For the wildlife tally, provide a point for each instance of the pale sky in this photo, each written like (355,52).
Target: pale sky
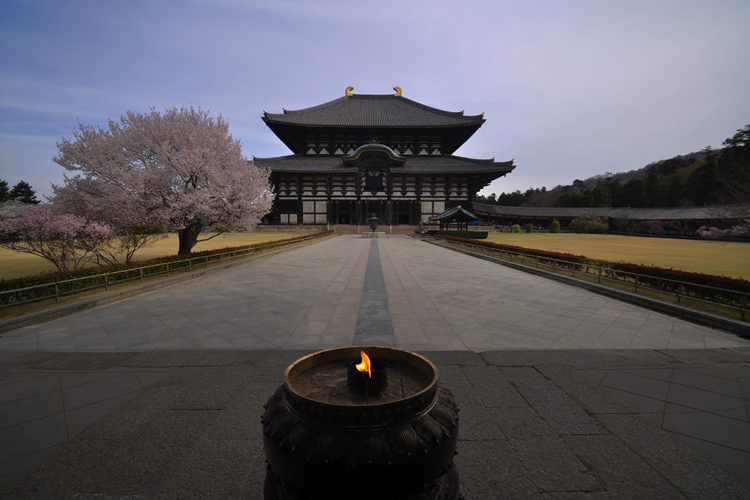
(570,89)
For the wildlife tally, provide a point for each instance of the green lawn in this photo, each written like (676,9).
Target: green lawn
(703,256)
(17,265)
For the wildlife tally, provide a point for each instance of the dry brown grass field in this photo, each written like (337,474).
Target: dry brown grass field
(17,265)
(704,256)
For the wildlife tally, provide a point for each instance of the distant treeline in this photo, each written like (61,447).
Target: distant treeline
(711,177)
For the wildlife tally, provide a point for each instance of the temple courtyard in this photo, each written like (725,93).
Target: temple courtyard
(563,393)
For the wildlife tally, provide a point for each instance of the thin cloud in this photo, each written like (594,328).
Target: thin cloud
(569,89)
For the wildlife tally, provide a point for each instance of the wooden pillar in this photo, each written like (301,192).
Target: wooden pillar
(299,180)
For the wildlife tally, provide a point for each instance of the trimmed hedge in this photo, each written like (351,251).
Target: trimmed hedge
(39,287)
(710,287)
(469,235)
(722,289)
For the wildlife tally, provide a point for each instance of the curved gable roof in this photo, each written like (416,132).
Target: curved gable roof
(641,214)
(373,110)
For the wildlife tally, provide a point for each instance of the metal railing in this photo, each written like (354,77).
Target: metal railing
(70,286)
(732,299)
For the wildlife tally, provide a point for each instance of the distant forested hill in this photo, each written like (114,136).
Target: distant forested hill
(708,177)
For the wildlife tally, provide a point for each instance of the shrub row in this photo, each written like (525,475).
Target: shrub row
(42,286)
(720,289)
(702,286)
(543,256)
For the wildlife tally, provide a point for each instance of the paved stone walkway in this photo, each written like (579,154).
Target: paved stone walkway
(572,395)
(534,424)
(312,298)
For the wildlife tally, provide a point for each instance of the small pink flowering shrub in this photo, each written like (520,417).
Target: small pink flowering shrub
(68,241)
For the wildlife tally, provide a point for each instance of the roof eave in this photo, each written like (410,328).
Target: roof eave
(294,124)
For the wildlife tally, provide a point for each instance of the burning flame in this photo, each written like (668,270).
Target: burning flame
(364,366)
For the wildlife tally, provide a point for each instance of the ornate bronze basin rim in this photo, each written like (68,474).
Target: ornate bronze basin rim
(362,415)
(376,352)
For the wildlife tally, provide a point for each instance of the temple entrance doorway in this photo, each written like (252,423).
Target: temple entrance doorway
(375,208)
(403,212)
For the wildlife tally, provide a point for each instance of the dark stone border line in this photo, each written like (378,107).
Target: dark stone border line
(374,324)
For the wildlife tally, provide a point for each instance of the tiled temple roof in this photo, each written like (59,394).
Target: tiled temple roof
(367,110)
(668,213)
(413,164)
(455,213)
(539,211)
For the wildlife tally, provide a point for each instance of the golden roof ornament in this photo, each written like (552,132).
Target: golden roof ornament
(348,91)
(398,91)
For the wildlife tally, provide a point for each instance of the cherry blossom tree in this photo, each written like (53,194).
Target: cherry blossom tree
(180,168)
(713,233)
(589,223)
(68,241)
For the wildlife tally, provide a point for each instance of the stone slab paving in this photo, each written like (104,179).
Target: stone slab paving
(535,424)
(311,298)
(297,299)
(158,396)
(489,306)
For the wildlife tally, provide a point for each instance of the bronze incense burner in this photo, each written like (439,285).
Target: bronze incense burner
(326,438)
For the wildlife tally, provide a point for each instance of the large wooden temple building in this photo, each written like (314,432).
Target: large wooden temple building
(386,156)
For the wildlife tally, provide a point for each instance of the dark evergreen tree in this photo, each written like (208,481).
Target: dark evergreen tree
(614,188)
(674,195)
(653,180)
(22,192)
(669,167)
(738,145)
(634,194)
(3,190)
(600,197)
(703,186)
(733,173)
(514,199)
(490,200)
(574,199)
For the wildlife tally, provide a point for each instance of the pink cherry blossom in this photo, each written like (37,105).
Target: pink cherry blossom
(68,241)
(713,233)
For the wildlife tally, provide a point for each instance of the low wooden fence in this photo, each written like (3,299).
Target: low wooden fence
(64,287)
(732,300)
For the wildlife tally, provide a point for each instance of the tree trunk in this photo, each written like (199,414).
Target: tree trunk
(189,237)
